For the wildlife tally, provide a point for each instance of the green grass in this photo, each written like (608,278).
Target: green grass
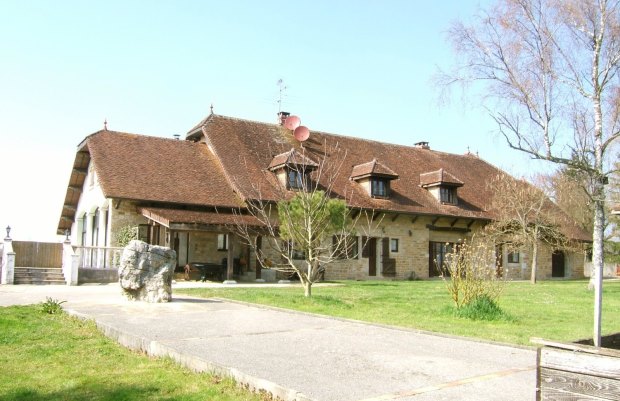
(57,357)
(554,310)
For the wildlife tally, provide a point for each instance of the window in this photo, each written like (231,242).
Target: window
(345,247)
(513,257)
(437,257)
(379,187)
(222,242)
(394,245)
(294,253)
(295,179)
(447,195)
(144,232)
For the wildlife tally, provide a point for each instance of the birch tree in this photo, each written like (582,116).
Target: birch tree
(548,75)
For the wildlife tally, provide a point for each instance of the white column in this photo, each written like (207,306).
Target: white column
(8,262)
(70,263)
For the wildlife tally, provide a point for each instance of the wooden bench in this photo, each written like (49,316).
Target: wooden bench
(207,269)
(576,372)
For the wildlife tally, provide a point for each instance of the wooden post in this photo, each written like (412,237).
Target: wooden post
(230,261)
(259,243)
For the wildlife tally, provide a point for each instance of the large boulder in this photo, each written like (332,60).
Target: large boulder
(146,271)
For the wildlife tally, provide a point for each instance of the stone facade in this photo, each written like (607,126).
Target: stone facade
(412,234)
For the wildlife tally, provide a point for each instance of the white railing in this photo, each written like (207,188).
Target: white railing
(99,257)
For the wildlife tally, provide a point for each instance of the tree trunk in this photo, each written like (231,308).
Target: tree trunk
(308,289)
(534,262)
(596,275)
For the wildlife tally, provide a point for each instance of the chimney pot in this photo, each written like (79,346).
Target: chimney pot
(282,117)
(422,145)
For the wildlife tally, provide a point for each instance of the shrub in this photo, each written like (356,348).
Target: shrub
(125,234)
(52,306)
(482,308)
(470,272)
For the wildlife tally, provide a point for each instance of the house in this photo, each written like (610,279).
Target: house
(185,194)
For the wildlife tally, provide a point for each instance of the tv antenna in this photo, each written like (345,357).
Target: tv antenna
(281,88)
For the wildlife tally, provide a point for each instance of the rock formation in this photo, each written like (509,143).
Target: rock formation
(146,271)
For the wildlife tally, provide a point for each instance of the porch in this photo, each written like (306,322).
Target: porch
(204,241)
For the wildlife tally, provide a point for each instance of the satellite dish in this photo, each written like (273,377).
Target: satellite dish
(292,122)
(301,133)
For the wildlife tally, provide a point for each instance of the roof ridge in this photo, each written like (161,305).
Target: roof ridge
(410,147)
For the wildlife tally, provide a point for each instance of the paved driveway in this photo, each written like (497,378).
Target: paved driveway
(301,356)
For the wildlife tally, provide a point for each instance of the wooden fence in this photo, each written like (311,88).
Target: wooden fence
(569,372)
(37,254)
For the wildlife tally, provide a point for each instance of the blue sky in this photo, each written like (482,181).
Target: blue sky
(359,68)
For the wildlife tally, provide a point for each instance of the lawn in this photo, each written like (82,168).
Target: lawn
(57,357)
(553,310)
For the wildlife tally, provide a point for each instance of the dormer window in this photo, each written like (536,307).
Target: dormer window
(380,187)
(447,195)
(292,169)
(442,185)
(374,177)
(295,179)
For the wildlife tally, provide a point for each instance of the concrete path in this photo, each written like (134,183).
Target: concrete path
(299,356)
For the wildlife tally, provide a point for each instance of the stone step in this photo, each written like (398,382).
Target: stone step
(38,275)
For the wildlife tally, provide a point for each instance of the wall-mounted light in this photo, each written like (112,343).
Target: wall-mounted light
(8,232)
(66,234)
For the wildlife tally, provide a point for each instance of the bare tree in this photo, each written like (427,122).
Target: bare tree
(307,227)
(548,71)
(524,219)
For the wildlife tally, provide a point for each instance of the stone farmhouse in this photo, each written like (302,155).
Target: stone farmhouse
(184,194)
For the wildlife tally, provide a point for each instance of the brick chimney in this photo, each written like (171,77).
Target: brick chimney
(282,117)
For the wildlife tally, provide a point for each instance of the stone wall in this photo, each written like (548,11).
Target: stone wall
(123,213)
(412,258)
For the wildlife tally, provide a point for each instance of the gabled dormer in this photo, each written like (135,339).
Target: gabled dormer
(292,169)
(442,185)
(374,177)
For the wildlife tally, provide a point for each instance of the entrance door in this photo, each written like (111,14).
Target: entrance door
(372,256)
(180,246)
(557,264)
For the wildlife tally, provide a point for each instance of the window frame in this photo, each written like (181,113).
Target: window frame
(295,179)
(222,242)
(513,257)
(379,187)
(351,247)
(448,195)
(394,245)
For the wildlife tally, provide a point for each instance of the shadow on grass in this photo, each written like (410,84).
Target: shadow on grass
(87,392)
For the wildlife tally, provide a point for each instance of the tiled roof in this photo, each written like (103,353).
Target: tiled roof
(147,168)
(291,158)
(227,160)
(255,144)
(439,177)
(372,168)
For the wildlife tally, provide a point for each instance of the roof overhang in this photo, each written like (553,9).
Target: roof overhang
(193,220)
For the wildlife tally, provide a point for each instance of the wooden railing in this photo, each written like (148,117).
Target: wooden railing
(99,257)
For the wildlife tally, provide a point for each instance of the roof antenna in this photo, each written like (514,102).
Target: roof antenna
(105,124)
(281,88)
(211,108)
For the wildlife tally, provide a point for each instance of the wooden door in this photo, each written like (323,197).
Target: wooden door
(371,246)
(557,264)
